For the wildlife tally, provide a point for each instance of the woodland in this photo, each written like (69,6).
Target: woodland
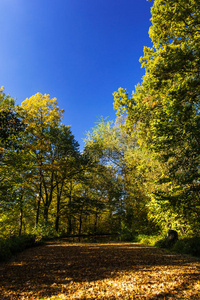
(138,175)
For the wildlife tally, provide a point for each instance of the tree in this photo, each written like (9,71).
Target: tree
(41,116)
(10,122)
(164,109)
(67,163)
(115,146)
(11,160)
(176,68)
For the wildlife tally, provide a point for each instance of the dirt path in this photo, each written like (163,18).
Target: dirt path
(62,270)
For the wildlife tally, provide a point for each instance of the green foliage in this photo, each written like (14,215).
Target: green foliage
(148,239)
(136,175)
(163,113)
(20,243)
(127,234)
(15,244)
(44,231)
(163,243)
(169,97)
(188,246)
(5,252)
(11,124)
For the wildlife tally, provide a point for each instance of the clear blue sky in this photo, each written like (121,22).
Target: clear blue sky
(79,51)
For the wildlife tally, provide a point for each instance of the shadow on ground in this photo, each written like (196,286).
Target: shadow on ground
(47,269)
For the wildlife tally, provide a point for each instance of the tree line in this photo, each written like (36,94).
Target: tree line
(138,173)
(47,184)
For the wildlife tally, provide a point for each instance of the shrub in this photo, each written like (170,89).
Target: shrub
(44,232)
(5,252)
(185,246)
(148,239)
(15,244)
(127,235)
(188,246)
(20,243)
(163,243)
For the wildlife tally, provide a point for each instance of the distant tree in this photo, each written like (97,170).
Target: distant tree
(10,122)
(131,181)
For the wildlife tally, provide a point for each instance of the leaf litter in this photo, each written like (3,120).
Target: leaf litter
(62,270)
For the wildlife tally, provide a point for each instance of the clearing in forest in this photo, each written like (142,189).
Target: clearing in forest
(61,270)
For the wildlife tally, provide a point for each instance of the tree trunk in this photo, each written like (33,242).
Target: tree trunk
(40,194)
(95,222)
(80,225)
(69,228)
(38,208)
(57,214)
(59,194)
(46,213)
(48,196)
(20,221)
(37,213)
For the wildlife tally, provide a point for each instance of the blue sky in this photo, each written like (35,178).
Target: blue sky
(79,51)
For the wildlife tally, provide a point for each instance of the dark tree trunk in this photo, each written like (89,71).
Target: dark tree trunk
(59,195)
(57,213)
(40,195)
(37,213)
(95,222)
(80,225)
(20,221)
(48,196)
(46,213)
(172,236)
(69,228)
(38,207)
(57,222)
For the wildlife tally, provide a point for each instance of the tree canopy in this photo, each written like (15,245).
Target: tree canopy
(138,173)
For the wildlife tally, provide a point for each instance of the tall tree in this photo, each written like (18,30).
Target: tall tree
(115,146)
(11,162)
(65,150)
(10,122)
(41,115)
(165,107)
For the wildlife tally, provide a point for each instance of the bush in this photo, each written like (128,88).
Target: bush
(127,235)
(15,244)
(163,243)
(20,243)
(44,232)
(144,239)
(5,252)
(148,239)
(188,246)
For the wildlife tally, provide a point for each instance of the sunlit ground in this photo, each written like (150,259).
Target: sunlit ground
(99,271)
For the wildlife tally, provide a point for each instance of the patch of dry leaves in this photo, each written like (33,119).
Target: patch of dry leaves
(62,270)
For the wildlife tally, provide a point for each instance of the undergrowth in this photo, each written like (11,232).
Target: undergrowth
(185,245)
(14,244)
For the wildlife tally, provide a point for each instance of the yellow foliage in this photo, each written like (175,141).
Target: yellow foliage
(41,110)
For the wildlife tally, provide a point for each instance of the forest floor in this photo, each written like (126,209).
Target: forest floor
(62,270)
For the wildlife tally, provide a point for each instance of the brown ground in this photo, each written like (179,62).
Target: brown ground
(61,270)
